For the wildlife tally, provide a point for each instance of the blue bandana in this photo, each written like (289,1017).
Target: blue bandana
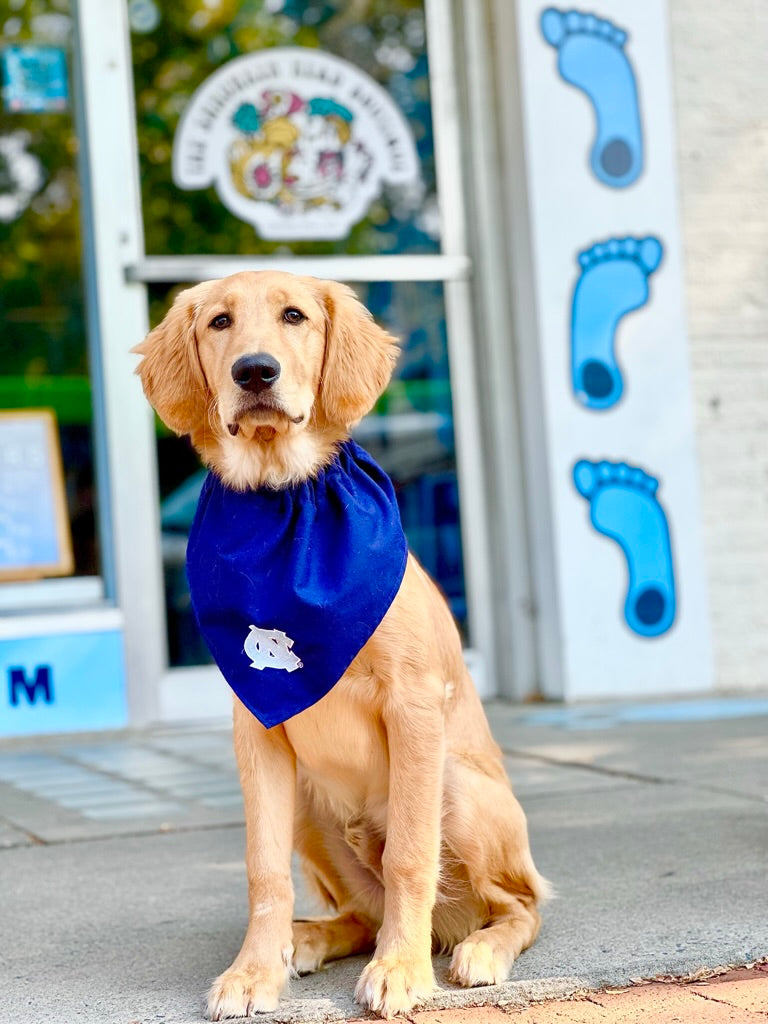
(288,585)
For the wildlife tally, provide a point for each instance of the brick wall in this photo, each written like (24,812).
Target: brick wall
(721,83)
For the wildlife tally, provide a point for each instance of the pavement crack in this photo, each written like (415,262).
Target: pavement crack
(597,769)
(139,833)
(623,773)
(33,837)
(714,999)
(596,1002)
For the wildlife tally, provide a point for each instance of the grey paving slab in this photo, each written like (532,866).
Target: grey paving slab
(37,768)
(52,821)
(70,785)
(190,775)
(212,749)
(143,811)
(729,754)
(205,786)
(118,796)
(225,800)
(114,785)
(130,761)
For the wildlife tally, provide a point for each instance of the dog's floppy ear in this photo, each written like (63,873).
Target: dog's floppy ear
(359,357)
(170,371)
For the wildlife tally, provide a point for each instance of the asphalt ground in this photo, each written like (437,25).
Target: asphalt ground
(122,885)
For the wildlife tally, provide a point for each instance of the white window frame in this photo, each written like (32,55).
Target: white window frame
(119,270)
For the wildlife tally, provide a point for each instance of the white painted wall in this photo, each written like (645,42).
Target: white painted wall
(721,98)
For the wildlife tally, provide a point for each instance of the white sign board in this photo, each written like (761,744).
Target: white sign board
(34,524)
(295,141)
(618,455)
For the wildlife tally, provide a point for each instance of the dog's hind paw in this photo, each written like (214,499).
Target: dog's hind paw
(476,961)
(244,993)
(310,946)
(390,985)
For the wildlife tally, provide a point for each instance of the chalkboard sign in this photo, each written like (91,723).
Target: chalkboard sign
(34,526)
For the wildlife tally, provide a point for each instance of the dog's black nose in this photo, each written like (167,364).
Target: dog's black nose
(255,373)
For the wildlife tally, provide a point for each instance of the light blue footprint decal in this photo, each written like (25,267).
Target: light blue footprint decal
(623,506)
(613,281)
(591,56)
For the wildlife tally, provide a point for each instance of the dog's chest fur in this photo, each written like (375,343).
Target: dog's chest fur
(339,747)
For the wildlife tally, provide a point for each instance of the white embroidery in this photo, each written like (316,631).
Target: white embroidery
(270,648)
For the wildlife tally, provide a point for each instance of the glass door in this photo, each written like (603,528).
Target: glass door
(259,126)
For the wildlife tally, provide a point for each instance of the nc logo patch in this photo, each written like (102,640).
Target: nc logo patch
(271,648)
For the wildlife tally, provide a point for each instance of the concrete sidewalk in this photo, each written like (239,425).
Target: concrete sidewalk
(122,887)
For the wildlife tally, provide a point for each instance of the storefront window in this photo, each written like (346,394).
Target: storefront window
(43,349)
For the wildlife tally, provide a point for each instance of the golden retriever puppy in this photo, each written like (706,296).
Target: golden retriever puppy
(390,786)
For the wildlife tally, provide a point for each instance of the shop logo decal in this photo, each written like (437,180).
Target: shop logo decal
(297,142)
(40,684)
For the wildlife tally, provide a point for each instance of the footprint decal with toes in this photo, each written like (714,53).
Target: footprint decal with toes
(623,506)
(613,282)
(591,56)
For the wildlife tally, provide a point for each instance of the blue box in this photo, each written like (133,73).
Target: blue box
(65,682)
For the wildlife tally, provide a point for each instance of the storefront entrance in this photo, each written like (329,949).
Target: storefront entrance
(377,85)
(428,153)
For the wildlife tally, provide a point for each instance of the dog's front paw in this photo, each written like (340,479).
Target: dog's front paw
(391,985)
(240,992)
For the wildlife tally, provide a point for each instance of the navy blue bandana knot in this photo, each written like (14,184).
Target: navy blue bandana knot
(288,585)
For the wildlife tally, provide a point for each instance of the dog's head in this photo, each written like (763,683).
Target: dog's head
(259,364)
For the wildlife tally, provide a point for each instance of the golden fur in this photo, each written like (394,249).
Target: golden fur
(391,787)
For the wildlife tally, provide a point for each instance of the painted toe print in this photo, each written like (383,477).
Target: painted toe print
(613,281)
(623,506)
(591,56)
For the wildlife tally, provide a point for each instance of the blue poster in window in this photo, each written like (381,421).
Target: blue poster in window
(34,79)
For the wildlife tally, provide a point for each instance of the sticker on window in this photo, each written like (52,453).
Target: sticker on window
(296,142)
(34,79)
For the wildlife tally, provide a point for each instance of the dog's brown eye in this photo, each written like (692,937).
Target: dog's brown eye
(220,322)
(293,315)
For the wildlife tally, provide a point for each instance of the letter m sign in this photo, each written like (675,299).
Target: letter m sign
(40,686)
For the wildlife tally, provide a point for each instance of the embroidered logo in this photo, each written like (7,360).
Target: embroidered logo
(271,648)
